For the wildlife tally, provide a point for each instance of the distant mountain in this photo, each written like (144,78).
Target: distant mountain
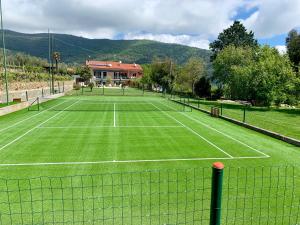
(75,49)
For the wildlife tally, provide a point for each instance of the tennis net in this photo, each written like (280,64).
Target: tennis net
(104,106)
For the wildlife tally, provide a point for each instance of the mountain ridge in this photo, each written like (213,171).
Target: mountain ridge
(75,49)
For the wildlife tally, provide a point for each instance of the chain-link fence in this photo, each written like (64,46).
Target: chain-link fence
(263,195)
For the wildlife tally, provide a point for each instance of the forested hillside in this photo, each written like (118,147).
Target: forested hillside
(78,49)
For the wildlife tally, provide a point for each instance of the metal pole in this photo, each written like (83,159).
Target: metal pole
(52,64)
(4,55)
(49,61)
(216,193)
(221,109)
(198,103)
(244,117)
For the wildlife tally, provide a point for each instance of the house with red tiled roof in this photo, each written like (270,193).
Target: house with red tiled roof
(116,72)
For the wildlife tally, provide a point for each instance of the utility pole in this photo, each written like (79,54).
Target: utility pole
(4,55)
(49,61)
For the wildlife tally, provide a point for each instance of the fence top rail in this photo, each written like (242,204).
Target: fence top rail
(164,171)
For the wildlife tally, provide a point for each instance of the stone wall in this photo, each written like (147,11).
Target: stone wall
(32,90)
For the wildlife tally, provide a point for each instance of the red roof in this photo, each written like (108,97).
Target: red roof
(109,65)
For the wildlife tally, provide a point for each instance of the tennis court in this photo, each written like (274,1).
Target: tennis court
(86,130)
(138,160)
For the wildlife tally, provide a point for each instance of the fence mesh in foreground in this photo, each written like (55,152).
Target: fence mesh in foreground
(250,196)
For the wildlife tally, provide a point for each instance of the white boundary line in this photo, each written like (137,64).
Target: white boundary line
(125,161)
(82,127)
(30,117)
(220,132)
(226,135)
(194,132)
(27,132)
(114,114)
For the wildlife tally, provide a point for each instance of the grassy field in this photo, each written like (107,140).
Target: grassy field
(4,104)
(283,121)
(138,160)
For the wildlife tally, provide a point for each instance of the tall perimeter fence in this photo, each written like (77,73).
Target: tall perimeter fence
(252,196)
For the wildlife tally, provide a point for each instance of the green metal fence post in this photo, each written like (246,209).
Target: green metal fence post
(221,109)
(198,103)
(244,117)
(42,93)
(81,89)
(26,96)
(216,193)
(63,87)
(38,103)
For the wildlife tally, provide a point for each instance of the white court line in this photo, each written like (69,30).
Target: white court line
(114,114)
(21,136)
(30,117)
(226,135)
(126,161)
(79,127)
(194,132)
(220,132)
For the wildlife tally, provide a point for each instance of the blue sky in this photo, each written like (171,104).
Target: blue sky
(189,22)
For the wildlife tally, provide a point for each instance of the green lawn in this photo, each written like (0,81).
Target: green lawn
(283,121)
(4,104)
(139,160)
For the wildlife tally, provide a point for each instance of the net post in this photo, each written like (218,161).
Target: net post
(216,193)
(198,103)
(63,87)
(38,103)
(221,109)
(244,116)
(82,90)
(123,91)
(42,92)
(143,89)
(26,96)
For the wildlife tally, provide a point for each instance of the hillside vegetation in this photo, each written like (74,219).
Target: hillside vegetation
(78,49)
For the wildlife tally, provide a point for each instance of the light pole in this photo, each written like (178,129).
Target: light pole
(4,56)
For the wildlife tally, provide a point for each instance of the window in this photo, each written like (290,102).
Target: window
(104,75)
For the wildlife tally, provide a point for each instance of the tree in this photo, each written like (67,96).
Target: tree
(203,87)
(194,70)
(260,75)
(85,73)
(162,73)
(293,48)
(56,57)
(235,35)
(230,71)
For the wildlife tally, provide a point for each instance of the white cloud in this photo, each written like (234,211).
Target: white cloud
(281,49)
(191,22)
(274,17)
(193,41)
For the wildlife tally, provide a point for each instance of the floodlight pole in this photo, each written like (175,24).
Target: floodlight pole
(4,55)
(50,69)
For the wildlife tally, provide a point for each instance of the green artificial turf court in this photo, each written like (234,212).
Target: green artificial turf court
(88,130)
(143,160)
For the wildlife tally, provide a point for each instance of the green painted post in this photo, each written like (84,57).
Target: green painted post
(63,87)
(38,103)
(244,117)
(221,109)
(216,193)
(26,96)
(42,93)
(123,91)
(198,103)
(82,90)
